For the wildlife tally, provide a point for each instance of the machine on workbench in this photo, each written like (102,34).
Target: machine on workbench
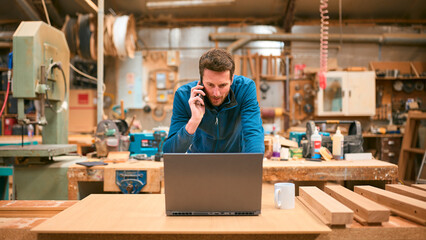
(41,73)
(150,144)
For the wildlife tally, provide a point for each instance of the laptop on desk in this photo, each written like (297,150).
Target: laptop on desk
(213,184)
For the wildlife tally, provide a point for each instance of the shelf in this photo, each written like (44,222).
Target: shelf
(3,69)
(400,78)
(415,150)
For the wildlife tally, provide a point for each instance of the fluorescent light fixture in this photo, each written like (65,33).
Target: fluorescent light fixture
(187,3)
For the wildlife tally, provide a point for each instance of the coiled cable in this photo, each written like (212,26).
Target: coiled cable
(323,43)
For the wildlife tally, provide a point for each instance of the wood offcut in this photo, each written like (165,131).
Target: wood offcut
(407,191)
(326,208)
(365,210)
(401,205)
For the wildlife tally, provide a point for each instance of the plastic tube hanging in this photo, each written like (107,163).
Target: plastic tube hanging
(323,43)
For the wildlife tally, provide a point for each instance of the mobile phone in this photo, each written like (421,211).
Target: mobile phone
(200,95)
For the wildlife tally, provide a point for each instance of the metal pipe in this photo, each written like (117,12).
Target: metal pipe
(100,105)
(385,39)
(287,83)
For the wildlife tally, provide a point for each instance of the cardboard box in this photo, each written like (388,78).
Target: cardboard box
(82,114)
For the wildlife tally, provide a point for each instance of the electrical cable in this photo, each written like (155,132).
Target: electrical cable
(6,97)
(46,13)
(82,73)
(9,80)
(64,104)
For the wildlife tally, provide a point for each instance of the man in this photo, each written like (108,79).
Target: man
(221,116)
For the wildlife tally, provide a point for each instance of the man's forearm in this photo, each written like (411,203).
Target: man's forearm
(178,142)
(192,126)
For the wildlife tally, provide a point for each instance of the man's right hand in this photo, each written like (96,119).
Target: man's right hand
(196,103)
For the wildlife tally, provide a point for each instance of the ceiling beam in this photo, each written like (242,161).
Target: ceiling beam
(289,16)
(29,10)
(187,3)
(85,5)
(362,21)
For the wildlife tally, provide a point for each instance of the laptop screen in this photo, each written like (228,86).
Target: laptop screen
(213,183)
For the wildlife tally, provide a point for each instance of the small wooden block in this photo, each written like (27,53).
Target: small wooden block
(366,211)
(116,157)
(328,209)
(407,191)
(401,205)
(419,186)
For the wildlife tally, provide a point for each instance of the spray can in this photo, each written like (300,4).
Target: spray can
(315,144)
(338,145)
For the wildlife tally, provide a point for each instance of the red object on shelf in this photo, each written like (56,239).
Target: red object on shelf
(8,125)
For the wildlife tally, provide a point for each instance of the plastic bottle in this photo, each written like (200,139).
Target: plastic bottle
(338,145)
(315,144)
(30,133)
(276,147)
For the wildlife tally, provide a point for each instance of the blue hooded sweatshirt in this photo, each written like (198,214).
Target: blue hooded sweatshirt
(235,126)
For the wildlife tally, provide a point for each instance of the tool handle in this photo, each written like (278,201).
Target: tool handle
(122,109)
(130,125)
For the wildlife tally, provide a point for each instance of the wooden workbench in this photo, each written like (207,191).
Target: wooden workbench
(142,217)
(18,227)
(18,217)
(273,171)
(106,174)
(300,170)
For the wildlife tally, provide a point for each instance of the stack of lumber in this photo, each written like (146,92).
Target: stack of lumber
(368,205)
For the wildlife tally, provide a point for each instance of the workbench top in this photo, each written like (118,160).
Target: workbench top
(145,214)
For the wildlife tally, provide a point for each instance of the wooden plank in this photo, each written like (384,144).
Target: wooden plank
(154,175)
(145,214)
(407,191)
(33,208)
(326,208)
(365,210)
(404,206)
(419,186)
(237,60)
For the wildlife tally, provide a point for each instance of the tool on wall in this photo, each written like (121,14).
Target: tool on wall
(323,43)
(264,87)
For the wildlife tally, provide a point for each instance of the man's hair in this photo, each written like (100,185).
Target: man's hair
(217,60)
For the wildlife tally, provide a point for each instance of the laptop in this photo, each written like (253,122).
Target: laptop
(207,184)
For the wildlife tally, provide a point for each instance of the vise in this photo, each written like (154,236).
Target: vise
(130,181)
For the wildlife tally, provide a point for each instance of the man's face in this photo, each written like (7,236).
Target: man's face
(216,86)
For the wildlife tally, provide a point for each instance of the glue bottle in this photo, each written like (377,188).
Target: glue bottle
(276,147)
(315,144)
(338,145)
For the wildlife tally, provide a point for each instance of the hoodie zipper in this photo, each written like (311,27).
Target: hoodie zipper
(217,131)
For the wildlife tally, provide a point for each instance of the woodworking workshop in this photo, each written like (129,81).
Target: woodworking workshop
(212,119)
